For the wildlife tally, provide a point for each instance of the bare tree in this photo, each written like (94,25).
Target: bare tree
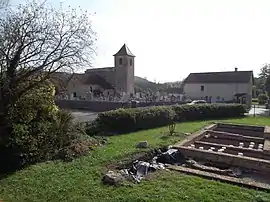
(37,40)
(4,3)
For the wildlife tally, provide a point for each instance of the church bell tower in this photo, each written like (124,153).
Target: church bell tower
(124,70)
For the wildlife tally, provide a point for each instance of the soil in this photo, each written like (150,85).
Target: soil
(140,156)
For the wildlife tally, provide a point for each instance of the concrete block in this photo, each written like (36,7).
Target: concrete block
(267,132)
(266,147)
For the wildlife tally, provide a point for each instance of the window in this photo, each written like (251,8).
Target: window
(130,62)
(120,61)
(202,88)
(74,94)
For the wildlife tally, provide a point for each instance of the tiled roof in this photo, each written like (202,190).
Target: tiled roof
(98,80)
(124,51)
(220,77)
(62,79)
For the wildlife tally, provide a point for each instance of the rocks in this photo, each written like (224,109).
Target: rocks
(236,172)
(135,173)
(113,178)
(142,144)
(104,141)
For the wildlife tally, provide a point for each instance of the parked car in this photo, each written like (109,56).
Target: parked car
(197,102)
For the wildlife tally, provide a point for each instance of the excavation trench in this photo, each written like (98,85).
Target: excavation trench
(238,154)
(136,169)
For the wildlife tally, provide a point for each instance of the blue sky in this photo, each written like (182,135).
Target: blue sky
(172,38)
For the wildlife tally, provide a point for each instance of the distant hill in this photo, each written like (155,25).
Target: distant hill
(142,85)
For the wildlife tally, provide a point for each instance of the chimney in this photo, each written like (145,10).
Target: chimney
(235,69)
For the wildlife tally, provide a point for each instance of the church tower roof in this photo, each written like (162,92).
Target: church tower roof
(124,51)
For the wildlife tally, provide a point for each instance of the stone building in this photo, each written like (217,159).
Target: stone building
(106,81)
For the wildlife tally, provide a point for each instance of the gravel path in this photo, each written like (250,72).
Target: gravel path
(259,111)
(84,116)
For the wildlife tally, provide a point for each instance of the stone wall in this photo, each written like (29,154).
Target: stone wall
(101,106)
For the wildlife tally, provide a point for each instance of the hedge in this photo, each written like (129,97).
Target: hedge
(134,119)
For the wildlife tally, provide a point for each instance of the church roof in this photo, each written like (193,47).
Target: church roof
(98,80)
(61,79)
(124,51)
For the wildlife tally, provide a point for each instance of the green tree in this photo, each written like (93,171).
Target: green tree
(263,98)
(260,82)
(267,85)
(265,72)
(259,87)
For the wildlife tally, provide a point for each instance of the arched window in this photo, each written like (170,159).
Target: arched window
(120,61)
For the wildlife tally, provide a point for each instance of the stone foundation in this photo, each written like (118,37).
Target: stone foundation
(230,144)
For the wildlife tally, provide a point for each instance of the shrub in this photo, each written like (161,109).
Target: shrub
(76,149)
(263,99)
(200,112)
(133,119)
(40,132)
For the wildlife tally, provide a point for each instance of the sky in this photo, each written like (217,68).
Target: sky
(172,38)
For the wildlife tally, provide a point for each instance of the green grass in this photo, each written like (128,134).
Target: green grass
(80,180)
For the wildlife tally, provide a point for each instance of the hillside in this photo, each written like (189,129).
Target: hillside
(142,84)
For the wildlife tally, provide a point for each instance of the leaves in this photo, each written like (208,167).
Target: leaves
(262,99)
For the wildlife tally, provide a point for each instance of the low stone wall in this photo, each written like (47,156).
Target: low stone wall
(101,106)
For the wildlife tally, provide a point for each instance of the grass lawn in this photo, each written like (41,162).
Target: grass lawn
(80,180)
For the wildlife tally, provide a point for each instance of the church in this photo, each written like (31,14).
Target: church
(107,81)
